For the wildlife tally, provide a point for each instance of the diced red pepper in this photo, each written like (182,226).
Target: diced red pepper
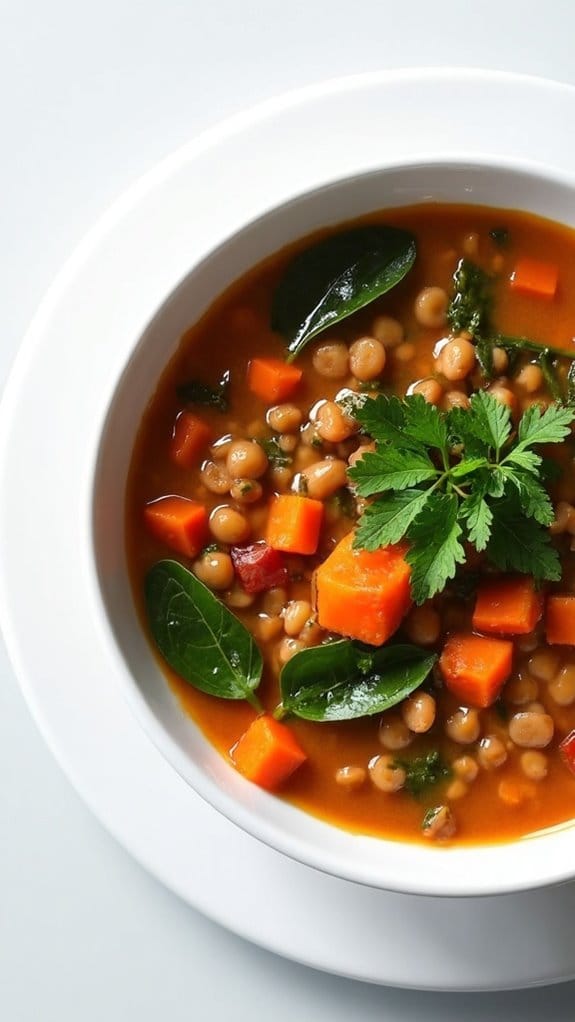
(258,567)
(567,750)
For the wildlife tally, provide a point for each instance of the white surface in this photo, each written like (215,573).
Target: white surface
(89,98)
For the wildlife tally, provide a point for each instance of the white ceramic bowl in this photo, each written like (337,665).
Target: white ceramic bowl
(110,324)
(407,867)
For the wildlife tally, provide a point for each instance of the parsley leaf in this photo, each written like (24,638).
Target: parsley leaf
(390,469)
(439,479)
(519,543)
(387,520)
(435,549)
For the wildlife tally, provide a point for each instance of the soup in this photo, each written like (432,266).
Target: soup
(351,536)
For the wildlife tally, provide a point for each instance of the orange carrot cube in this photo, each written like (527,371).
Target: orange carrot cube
(510,605)
(560,620)
(273,380)
(190,438)
(363,594)
(267,753)
(180,523)
(294,524)
(534,277)
(475,668)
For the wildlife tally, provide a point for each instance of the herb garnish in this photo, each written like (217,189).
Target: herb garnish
(423,772)
(197,393)
(276,457)
(490,494)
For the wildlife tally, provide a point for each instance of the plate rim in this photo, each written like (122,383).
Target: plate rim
(128,199)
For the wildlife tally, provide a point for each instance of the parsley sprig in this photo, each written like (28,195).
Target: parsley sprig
(441,479)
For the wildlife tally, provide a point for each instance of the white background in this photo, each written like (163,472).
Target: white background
(90,97)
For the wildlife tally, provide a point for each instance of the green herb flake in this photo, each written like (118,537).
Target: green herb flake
(423,772)
(470,305)
(276,457)
(195,392)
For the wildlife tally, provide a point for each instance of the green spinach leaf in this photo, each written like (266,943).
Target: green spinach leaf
(335,277)
(198,636)
(345,679)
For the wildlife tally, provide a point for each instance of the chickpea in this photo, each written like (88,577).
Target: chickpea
(438,823)
(296,614)
(530,379)
(333,424)
(287,442)
(521,690)
(357,455)
(215,478)
(331,359)
(500,360)
(219,449)
(284,418)
(367,358)
(465,768)
(404,352)
(350,777)
(528,643)
(457,789)
(324,477)
(215,570)
(267,628)
(238,598)
(288,647)
(531,730)
(385,774)
(562,688)
(471,245)
(544,664)
(228,525)
(387,330)
(423,625)
(274,601)
(563,515)
(455,399)
(418,712)
(281,478)
(394,734)
(463,726)
(534,764)
(431,307)
(491,753)
(503,395)
(430,389)
(246,491)
(457,359)
(310,437)
(246,459)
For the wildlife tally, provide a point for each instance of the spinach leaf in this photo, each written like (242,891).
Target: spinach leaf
(197,393)
(470,305)
(198,636)
(345,679)
(335,277)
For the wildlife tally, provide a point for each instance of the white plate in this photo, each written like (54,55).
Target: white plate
(109,290)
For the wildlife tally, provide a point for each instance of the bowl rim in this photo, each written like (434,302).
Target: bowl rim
(255,823)
(130,198)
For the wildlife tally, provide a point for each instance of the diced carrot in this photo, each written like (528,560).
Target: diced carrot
(510,606)
(534,277)
(475,668)
(294,524)
(190,438)
(363,594)
(271,379)
(267,753)
(560,620)
(180,523)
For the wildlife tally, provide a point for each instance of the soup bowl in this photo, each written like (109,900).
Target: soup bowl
(407,867)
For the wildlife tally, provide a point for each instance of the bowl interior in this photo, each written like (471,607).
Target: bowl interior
(409,868)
